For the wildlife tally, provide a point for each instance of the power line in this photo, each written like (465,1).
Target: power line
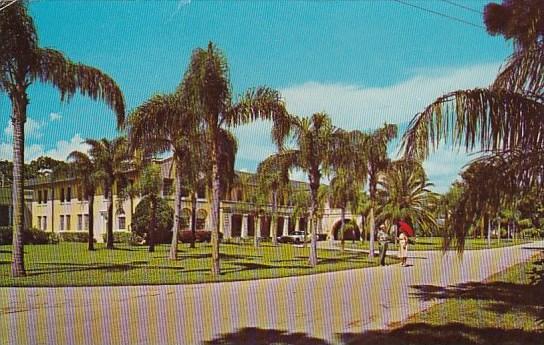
(6,3)
(462,6)
(440,14)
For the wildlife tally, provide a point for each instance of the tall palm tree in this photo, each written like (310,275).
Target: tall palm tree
(165,123)
(111,158)
(22,62)
(273,177)
(504,119)
(86,172)
(343,190)
(316,141)
(377,160)
(206,84)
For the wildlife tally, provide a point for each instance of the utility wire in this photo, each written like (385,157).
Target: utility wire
(462,6)
(440,14)
(6,3)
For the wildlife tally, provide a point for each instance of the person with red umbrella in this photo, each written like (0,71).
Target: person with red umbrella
(405,231)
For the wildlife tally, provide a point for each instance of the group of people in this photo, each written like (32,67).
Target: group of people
(383,240)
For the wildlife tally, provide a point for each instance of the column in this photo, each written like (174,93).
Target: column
(297,224)
(227,231)
(285,231)
(244,226)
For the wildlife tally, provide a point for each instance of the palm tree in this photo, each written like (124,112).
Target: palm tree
(377,160)
(343,190)
(149,185)
(408,196)
(273,176)
(111,159)
(22,62)
(86,172)
(206,84)
(361,205)
(504,119)
(317,140)
(165,123)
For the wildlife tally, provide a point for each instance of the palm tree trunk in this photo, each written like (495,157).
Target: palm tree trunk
(257,231)
(90,199)
(372,230)
(153,225)
(274,221)
(109,192)
(313,241)
(489,232)
(18,121)
(177,214)
(343,223)
(215,208)
(193,219)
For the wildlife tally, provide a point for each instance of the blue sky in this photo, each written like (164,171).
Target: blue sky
(363,62)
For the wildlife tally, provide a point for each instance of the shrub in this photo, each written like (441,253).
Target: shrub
(30,236)
(6,234)
(200,236)
(73,236)
(530,233)
(165,219)
(120,237)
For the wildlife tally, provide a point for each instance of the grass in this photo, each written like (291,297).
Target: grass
(506,309)
(435,243)
(70,264)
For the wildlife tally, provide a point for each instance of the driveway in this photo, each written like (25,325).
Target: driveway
(316,307)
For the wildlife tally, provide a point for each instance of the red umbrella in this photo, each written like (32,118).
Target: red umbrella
(407,229)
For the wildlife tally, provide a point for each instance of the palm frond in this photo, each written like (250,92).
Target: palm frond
(524,72)
(492,119)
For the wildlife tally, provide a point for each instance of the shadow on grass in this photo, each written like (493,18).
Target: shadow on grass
(448,334)
(259,336)
(64,267)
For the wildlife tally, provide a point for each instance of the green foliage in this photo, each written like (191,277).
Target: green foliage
(125,237)
(142,219)
(6,234)
(74,236)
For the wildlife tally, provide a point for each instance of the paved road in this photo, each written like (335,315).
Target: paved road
(320,305)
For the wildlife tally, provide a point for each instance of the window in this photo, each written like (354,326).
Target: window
(68,226)
(62,223)
(201,191)
(122,222)
(62,195)
(86,218)
(121,186)
(39,197)
(80,222)
(40,223)
(184,192)
(167,185)
(69,194)
(44,221)
(45,196)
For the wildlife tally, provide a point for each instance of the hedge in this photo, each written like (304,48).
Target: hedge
(119,237)
(74,236)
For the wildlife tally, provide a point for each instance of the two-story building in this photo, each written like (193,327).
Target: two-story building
(58,205)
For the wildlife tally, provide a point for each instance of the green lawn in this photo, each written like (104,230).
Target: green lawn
(70,264)
(435,243)
(507,309)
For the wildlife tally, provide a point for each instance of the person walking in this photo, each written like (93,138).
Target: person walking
(383,240)
(403,248)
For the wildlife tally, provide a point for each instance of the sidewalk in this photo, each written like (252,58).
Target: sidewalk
(320,306)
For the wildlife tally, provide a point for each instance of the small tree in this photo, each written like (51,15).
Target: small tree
(164,220)
(150,188)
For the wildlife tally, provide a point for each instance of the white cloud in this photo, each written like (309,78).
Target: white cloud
(55,116)
(32,129)
(61,150)
(359,107)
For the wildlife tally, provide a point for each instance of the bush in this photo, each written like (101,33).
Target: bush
(165,220)
(200,236)
(6,234)
(73,236)
(530,233)
(30,236)
(119,237)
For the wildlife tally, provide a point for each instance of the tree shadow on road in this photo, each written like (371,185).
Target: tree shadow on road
(259,336)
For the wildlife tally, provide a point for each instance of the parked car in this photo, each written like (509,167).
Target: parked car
(295,237)
(200,236)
